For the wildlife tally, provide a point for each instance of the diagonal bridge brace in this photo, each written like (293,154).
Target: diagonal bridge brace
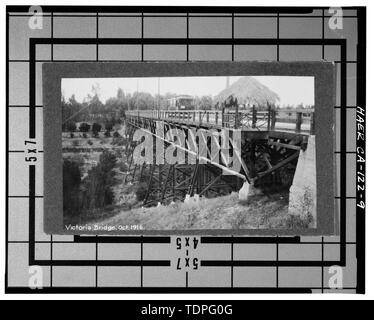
(202,158)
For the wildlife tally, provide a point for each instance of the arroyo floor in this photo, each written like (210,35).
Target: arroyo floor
(216,213)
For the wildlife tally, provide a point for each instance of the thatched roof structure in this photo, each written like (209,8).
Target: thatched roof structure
(248,91)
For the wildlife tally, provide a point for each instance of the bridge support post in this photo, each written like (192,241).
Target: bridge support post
(149,186)
(133,173)
(248,189)
(312,124)
(129,168)
(299,120)
(273,119)
(193,180)
(254,117)
(303,192)
(237,120)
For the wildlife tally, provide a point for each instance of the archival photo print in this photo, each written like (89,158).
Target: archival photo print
(189,153)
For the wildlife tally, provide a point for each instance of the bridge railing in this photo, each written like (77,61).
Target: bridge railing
(299,120)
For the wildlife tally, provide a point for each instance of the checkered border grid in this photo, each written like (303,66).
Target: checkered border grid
(232,240)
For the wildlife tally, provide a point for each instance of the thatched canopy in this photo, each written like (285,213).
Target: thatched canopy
(248,91)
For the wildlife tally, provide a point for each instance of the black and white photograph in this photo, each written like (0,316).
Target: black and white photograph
(185,148)
(188,153)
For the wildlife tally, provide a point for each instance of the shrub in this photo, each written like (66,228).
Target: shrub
(71,183)
(98,192)
(70,126)
(96,128)
(89,142)
(123,166)
(109,125)
(118,140)
(84,127)
(141,191)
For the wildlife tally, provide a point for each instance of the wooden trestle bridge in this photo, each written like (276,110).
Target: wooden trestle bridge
(270,144)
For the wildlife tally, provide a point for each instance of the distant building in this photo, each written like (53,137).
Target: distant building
(183,102)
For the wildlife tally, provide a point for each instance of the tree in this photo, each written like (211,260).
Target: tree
(95,106)
(98,184)
(96,128)
(141,191)
(84,127)
(142,101)
(118,139)
(71,126)
(205,103)
(118,104)
(113,105)
(70,109)
(109,125)
(71,183)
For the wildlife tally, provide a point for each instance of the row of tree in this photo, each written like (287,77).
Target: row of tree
(93,110)
(85,127)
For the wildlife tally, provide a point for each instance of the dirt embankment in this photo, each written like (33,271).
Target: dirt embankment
(261,212)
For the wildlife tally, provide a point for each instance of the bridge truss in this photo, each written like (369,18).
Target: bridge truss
(266,157)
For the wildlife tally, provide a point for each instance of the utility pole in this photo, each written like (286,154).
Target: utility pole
(158,97)
(137,94)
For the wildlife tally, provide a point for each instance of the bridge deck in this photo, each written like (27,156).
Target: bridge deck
(284,130)
(296,121)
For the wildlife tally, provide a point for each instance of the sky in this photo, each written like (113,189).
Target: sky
(291,90)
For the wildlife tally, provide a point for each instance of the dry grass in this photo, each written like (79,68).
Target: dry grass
(219,213)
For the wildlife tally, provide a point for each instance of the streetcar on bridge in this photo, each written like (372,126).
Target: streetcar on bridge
(182,102)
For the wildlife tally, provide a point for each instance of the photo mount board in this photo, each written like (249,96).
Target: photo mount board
(324,74)
(224,266)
